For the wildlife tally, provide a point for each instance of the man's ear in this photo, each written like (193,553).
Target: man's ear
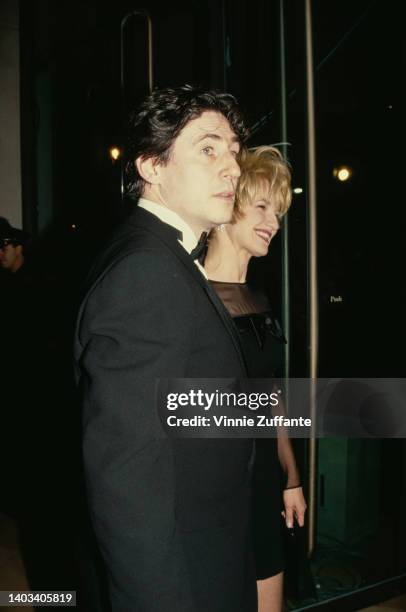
(149,169)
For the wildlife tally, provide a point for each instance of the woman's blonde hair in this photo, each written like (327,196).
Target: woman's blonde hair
(264,172)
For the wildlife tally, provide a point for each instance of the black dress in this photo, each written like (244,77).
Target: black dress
(262,341)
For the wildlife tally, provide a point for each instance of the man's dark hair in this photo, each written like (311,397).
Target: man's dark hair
(154,127)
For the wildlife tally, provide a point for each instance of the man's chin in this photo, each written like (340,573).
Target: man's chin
(222,219)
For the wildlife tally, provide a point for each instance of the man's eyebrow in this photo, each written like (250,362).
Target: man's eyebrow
(213,136)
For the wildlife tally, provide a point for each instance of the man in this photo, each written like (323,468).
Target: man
(12,241)
(15,334)
(16,304)
(171,517)
(35,371)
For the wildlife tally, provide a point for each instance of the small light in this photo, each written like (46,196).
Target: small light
(390,107)
(73,226)
(114,153)
(298,190)
(343,173)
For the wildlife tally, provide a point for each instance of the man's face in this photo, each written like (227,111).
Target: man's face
(9,255)
(198,182)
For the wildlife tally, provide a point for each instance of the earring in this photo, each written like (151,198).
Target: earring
(221,227)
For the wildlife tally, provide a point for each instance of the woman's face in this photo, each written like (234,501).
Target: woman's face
(254,231)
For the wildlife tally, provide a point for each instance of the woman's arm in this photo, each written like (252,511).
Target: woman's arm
(288,462)
(293,498)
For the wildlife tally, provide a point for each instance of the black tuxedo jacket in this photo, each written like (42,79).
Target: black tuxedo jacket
(171,516)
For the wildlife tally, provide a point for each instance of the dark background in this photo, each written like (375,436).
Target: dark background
(71,91)
(73,109)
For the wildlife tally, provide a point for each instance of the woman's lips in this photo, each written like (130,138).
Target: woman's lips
(265,235)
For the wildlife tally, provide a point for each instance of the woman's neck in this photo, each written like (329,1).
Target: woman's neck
(225,261)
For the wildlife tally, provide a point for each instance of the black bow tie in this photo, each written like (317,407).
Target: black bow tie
(200,250)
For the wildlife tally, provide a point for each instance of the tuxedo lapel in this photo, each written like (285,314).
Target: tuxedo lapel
(167,234)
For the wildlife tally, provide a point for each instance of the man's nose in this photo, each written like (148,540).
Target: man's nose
(232,169)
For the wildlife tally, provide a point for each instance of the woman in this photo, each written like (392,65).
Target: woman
(263,197)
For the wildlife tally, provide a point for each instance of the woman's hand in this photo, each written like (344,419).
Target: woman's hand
(295,506)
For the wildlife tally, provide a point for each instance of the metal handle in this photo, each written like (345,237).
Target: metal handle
(313,282)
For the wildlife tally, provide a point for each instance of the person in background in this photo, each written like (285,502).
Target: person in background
(15,292)
(37,420)
(12,243)
(263,197)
